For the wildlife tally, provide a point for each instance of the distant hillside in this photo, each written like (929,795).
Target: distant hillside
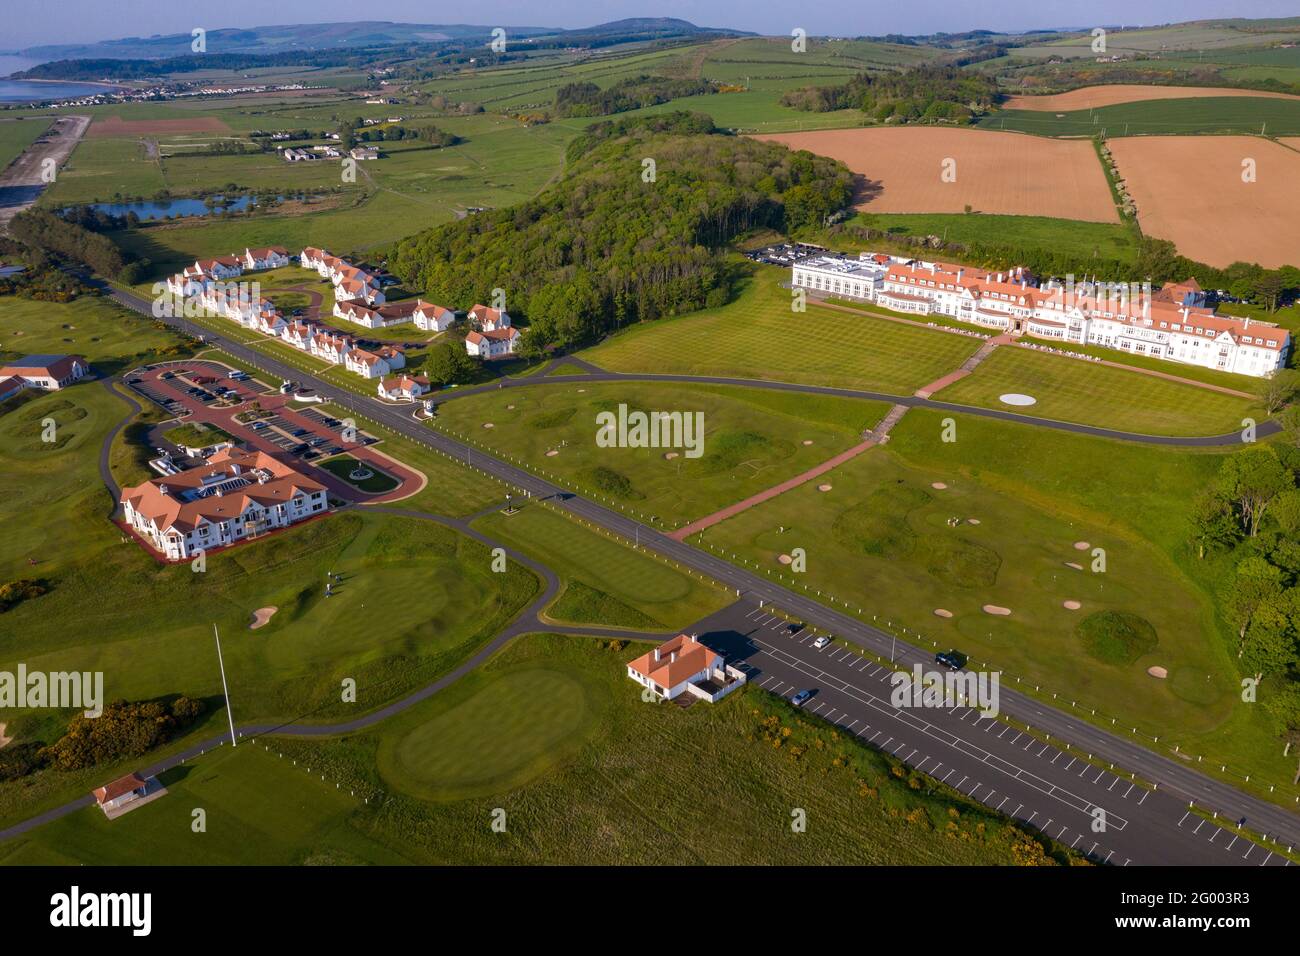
(654,26)
(278,39)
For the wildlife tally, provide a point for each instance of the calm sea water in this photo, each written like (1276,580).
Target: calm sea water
(23,91)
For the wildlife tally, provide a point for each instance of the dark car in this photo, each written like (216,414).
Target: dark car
(299,432)
(953,660)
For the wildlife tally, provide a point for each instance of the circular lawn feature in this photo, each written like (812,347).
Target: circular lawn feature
(345,467)
(1017,399)
(511,729)
(1116,637)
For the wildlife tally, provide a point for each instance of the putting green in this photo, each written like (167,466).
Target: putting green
(506,733)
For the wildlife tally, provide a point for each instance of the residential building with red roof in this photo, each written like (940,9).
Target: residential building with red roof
(493,344)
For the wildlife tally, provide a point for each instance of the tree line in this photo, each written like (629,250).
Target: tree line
(633,231)
(632,93)
(923,94)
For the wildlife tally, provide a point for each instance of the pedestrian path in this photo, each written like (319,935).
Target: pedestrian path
(968,366)
(875,436)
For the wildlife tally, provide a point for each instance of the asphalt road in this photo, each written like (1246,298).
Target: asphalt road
(1174,778)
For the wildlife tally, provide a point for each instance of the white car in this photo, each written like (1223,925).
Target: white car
(821,642)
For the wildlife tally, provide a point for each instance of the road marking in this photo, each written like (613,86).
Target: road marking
(1185,816)
(1068,765)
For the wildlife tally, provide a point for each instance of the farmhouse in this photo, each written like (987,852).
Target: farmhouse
(493,344)
(47,372)
(403,387)
(1173,324)
(234,496)
(364,152)
(684,665)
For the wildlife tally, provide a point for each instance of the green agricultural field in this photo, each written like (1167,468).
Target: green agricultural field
(757,335)
(1093,394)
(606,582)
(17,135)
(1212,114)
(752,440)
(1081,240)
(1211,37)
(261,809)
(103,170)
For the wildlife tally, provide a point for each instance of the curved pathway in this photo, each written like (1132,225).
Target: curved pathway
(1127,752)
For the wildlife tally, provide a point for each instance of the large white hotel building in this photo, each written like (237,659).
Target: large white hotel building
(1172,324)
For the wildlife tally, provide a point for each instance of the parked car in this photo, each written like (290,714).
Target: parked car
(801,698)
(299,432)
(257,426)
(953,660)
(821,642)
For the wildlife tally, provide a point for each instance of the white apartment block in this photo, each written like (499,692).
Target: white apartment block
(1173,324)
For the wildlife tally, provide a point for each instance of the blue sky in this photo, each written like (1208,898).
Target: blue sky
(81,21)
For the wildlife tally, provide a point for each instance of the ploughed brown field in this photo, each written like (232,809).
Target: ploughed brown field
(1189,189)
(116,126)
(1002,173)
(1092,97)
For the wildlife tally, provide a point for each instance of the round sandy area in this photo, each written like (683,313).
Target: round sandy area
(996,609)
(823,487)
(1071,605)
(942,612)
(785,559)
(1158,672)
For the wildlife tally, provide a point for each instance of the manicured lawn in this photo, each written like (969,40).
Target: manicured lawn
(554,734)
(758,336)
(752,440)
(343,465)
(606,581)
(196,435)
(260,809)
(1093,394)
(880,540)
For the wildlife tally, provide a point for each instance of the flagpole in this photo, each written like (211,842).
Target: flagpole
(225,690)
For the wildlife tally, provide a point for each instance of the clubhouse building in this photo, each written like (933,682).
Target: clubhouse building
(47,373)
(682,665)
(236,495)
(1173,324)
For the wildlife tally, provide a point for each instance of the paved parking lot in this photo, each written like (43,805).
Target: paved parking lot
(202,390)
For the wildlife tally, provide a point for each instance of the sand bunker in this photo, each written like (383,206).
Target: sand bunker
(261,616)
(552,453)
(938,485)
(823,487)
(510,408)
(972,520)
(942,612)
(785,559)
(1158,672)
(1015,398)
(1071,564)
(1081,546)
(995,609)
(1071,605)
(807,441)
(670,455)
(489,425)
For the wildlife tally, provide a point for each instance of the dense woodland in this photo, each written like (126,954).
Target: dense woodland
(616,242)
(926,94)
(632,93)
(1250,521)
(52,236)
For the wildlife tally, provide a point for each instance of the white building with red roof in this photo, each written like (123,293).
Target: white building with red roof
(681,665)
(403,387)
(493,344)
(268,257)
(1172,324)
(234,496)
(485,319)
(46,372)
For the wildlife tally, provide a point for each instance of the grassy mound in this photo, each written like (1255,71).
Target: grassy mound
(553,419)
(961,563)
(582,604)
(1116,637)
(613,482)
(878,525)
